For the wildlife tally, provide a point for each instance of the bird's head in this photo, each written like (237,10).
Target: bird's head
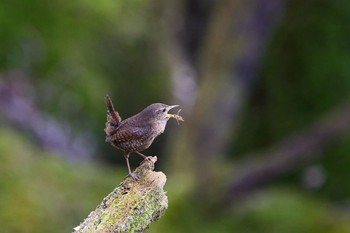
(159,111)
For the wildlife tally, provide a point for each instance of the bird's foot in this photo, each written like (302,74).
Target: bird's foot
(145,158)
(133,176)
(148,158)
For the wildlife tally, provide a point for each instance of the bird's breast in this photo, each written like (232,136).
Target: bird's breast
(159,127)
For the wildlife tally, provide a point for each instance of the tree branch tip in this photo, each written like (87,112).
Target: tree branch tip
(132,206)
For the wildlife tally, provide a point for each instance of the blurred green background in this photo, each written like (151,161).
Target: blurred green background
(264,89)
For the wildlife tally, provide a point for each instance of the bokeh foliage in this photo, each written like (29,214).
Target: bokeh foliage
(41,192)
(304,75)
(77,52)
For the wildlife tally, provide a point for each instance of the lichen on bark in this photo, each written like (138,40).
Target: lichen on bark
(132,206)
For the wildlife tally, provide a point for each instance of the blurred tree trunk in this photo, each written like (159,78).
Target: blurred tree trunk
(214,49)
(304,147)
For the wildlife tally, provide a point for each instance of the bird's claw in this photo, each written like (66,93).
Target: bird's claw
(133,176)
(148,158)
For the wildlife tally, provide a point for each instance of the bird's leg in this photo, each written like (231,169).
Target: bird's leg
(132,175)
(143,156)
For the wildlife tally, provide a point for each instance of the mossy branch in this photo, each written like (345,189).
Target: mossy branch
(132,206)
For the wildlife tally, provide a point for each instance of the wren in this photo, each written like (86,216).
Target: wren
(137,133)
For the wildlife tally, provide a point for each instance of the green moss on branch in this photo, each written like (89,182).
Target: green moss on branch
(132,206)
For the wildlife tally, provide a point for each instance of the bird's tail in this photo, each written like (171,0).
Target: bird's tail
(113,118)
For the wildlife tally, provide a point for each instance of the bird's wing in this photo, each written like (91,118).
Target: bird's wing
(127,133)
(129,137)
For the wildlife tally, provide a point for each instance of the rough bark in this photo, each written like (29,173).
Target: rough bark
(132,206)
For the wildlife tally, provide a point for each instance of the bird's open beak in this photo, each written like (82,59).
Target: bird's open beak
(168,109)
(172,106)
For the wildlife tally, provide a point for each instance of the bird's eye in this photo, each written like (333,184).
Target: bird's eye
(164,109)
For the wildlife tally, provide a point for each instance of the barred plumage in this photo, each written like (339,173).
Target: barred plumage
(136,133)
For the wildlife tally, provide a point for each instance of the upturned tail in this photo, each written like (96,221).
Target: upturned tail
(113,118)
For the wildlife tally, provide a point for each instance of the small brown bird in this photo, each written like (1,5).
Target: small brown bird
(137,133)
